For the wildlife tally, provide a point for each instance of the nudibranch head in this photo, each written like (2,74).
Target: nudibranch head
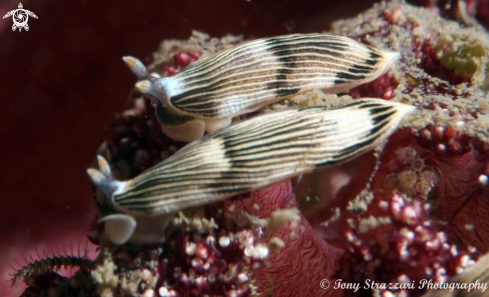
(104,179)
(123,227)
(207,94)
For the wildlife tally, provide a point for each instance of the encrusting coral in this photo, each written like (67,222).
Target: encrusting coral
(415,210)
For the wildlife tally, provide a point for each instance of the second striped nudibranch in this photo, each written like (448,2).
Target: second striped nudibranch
(210,92)
(250,155)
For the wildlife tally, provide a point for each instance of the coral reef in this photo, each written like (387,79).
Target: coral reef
(447,146)
(413,210)
(468,12)
(414,249)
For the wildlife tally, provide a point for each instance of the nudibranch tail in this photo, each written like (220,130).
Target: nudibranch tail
(259,152)
(104,179)
(388,59)
(391,57)
(137,67)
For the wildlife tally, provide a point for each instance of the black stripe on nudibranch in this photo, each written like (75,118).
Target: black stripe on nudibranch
(287,62)
(360,69)
(281,92)
(381,125)
(199,103)
(374,55)
(361,146)
(304,61)
(305,51)
(381,118)
(323,47)
(371,62)
(224,187)
(281,86)
(342,77)
(369,105)
(379,109)
(360,104)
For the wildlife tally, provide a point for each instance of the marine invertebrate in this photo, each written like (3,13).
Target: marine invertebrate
(48,264)
(41,275)
(250,155)
(213,90)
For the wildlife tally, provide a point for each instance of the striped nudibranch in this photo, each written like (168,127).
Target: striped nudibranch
(250,155)
(210,92)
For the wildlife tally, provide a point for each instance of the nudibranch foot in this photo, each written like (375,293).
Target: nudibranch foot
(121,228)
(215,125)
(187,131)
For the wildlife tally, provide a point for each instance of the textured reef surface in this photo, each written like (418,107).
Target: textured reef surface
(414,210)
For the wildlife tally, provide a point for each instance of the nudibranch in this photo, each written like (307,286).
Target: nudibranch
(247,156)
(211,91)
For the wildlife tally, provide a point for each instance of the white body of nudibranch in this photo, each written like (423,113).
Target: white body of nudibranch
(207,94)
(250,155)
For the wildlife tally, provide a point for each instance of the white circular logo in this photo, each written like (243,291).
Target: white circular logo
(324,284)
(20,18)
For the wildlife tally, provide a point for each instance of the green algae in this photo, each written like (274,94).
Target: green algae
(467,56)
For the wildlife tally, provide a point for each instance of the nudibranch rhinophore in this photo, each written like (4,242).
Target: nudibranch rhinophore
(249,155)
(211,91)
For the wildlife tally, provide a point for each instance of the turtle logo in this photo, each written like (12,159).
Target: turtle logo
(20,17)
